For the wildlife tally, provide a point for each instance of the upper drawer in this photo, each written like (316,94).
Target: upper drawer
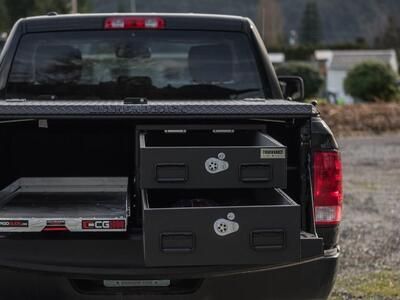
(210,159)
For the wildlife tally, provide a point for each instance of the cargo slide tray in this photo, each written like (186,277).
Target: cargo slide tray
(64,204)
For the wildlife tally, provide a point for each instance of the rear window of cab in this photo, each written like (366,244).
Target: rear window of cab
(120,64)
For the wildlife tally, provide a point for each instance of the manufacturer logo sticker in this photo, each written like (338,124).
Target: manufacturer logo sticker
(14,223)
(272,153)
(103,225)
(215,165)
(224,227)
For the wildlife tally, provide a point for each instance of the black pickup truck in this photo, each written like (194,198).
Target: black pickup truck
(158,156)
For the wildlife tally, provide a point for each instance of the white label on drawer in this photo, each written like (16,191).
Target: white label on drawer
(272,153)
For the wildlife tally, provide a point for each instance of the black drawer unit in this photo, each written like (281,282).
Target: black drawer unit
(220,227)
(209,159)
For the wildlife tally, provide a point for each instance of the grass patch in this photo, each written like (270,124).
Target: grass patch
(377,285)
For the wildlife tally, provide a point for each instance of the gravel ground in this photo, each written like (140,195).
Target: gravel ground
(370,231)
(370,236)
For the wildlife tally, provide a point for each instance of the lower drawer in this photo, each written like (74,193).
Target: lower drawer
(220,227)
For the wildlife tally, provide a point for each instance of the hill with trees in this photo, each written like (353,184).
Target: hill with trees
(344,21)
(340,21)
(12,10)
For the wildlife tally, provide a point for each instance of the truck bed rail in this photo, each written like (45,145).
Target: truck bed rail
(253,107)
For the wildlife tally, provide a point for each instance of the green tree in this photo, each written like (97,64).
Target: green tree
(12,10)
(60,6)
(312,79)
(122,6)
(42,7)
(310,31)
(391,35)
(372,81)
(18,9)
(3,17)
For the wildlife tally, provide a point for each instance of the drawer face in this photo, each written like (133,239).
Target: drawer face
(223,235)
(260,164)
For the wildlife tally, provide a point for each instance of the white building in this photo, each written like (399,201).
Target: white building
(277,58)
(336,65)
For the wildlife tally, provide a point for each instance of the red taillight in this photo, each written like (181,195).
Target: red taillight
(328,196)
(134,23)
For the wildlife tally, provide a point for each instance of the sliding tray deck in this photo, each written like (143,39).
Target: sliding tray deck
(64,204)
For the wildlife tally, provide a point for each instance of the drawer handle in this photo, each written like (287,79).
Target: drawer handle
(273,239)
(255,172)
(177,242)
(172,173)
